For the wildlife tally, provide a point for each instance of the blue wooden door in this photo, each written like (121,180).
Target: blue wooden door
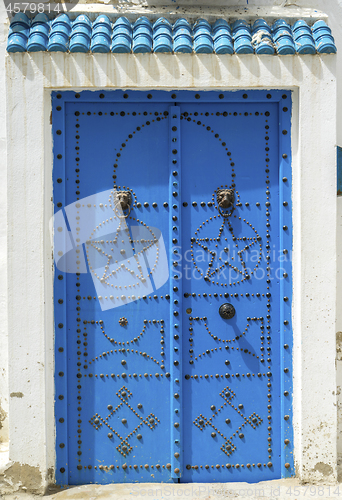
(172,243)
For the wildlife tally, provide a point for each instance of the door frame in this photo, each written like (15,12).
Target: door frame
(284,101)
(312,80)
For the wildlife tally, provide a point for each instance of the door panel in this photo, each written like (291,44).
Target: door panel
(118,334)
(229,363)
(172,240)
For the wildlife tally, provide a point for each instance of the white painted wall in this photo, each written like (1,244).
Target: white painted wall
(3,239)
(29,81)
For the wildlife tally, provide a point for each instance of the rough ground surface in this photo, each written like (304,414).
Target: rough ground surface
(271,490)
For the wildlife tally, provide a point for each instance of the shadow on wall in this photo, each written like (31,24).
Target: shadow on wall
(197,3)
(174,3)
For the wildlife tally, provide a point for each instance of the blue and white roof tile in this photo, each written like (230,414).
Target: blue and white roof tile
(81,35)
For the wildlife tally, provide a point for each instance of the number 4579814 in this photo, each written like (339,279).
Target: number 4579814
(14,8)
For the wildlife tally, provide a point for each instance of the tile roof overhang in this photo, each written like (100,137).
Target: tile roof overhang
(120,35)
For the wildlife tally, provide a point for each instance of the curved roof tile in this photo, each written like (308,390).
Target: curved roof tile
(81,35)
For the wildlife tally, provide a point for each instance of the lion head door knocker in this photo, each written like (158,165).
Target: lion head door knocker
(123,200)
(225,199)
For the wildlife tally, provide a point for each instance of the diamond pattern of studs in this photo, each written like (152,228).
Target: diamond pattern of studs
(124,395)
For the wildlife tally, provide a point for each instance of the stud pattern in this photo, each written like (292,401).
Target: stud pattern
(175,232)
(125,396)
(123,346)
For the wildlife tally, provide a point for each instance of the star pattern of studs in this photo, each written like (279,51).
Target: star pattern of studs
(123,321)
(124,447)
(212,274)
(228,446)
(216,263)
(121,237)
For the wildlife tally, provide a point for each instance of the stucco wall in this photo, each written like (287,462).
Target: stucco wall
(29,81)
(3,245)
(334,12)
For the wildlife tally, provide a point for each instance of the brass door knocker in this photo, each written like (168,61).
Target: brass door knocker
(124,200)
(225,199)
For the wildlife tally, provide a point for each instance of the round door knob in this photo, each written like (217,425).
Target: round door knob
(227,311)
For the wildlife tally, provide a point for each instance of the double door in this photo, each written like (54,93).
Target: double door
(172,244)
